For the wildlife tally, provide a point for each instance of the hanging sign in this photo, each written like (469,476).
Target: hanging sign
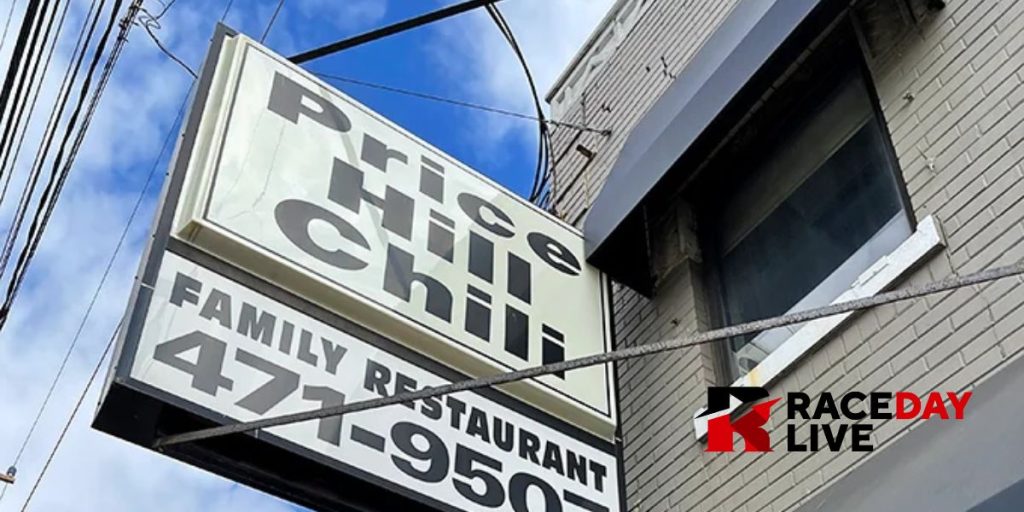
(300,184)
(309,253)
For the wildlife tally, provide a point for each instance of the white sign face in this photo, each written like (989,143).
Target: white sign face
(307,188)
(223,347)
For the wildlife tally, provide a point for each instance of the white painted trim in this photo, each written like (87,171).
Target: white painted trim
(877,278)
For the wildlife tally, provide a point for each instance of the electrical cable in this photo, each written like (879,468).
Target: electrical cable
(7,25)
(150,22)
(5,144)
(99,286)
(270,23)
(44,146)
(227,9)
(32,109)
(58,171)
(71,419)
(163,11)
(703,338)
(4,172)
(543,142)
(460,103)
(389,30)
(14,230)
(51,196)
(131,217)
(505,30)
(31,11)
(13,116)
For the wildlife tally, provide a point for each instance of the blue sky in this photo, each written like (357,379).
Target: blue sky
(462,58)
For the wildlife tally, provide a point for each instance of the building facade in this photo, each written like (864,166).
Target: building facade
(766,157)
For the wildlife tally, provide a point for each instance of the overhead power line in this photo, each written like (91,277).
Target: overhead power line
(131,217)
(227,9)
(26,77)
(543,136)
(273,18)
(103,279)
(32,10)
(70,76)
(57,111)
(70,420)
(62,164)
(703,338)
(30,244)
(99,286)
(149,22)
(167,7)
(389,30)
(7,24)
(11,130)
(460,103)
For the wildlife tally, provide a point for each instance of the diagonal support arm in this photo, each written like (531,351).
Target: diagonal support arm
(944,285)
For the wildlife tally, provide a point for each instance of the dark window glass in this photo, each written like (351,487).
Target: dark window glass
(800,201)
(825,220)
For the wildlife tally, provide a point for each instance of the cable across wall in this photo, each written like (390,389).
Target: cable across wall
(703,338)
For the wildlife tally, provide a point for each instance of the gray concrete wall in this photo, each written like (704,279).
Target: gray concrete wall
(959,145)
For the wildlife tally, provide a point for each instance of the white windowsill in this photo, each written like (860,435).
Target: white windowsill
(921,244)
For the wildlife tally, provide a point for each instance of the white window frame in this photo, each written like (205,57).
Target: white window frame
(891,235)
(922,243)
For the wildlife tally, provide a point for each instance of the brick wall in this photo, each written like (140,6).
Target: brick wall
(951,93)
(667,36)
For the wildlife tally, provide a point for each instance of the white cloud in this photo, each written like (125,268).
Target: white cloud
(549,33)
(94,471)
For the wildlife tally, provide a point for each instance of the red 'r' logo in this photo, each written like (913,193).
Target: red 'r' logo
(721,430)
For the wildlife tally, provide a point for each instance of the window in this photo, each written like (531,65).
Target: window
(802,198)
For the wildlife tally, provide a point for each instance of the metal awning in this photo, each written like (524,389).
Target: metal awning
(752,35)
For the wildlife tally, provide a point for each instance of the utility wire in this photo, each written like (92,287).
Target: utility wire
(505,31)
(131,217)
(227,9)
(7,154)
(150,22)
(460,103)
(55,115)
(71,419)
(543,141)
(19,52)
(59,176)
(61,166)
(273,18)
(703,338)
(543,187)
(7,24)
(27,77)
(389,30)
(117,248)
(103,279)
(163,11)
(70,76)
(110,263)
(21,139)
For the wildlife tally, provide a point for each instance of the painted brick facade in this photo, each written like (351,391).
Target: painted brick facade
(951,91)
